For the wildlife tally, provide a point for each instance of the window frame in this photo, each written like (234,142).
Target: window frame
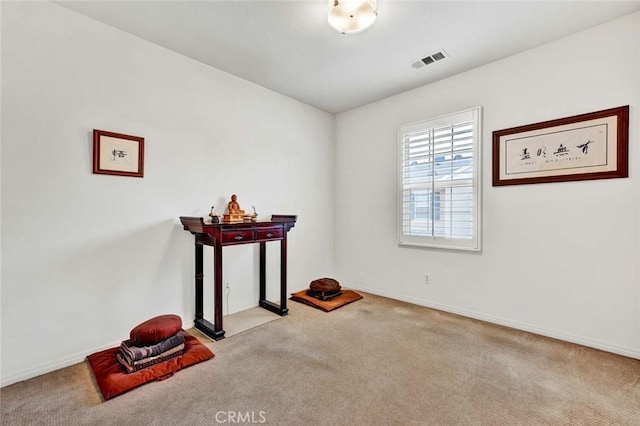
(473,244)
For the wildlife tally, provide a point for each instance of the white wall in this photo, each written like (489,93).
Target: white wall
(86,257)
(559,259)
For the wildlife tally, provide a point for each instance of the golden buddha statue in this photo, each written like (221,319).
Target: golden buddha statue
(233,206)
(234,212)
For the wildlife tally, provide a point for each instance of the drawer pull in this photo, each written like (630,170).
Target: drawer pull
(270,234)
(237,237)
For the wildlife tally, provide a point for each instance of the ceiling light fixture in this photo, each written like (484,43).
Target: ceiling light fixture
(352,16)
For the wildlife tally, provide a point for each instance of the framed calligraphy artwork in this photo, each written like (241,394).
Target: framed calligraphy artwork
(117,154)
(582,147)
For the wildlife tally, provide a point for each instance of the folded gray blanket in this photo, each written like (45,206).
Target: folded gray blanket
(148,362)
(135,353)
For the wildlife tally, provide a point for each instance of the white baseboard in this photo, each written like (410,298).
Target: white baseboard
(60,363)
(619,350)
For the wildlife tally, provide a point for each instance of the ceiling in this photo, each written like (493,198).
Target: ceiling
(288,47)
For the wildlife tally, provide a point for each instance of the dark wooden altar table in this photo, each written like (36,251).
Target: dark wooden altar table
(218,235)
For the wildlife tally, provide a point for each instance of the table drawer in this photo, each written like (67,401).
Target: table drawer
(270,233)
(237,236)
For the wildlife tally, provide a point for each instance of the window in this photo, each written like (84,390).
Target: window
(439,182)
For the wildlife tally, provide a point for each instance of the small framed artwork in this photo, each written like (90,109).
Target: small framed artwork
(582,147)
(117,154)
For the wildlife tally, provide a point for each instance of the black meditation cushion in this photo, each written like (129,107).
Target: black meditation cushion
(155,330)
(326,285)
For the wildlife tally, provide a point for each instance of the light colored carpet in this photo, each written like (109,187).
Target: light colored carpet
(373,362)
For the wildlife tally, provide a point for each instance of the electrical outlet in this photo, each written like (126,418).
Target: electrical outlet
(427,279)
(226,286)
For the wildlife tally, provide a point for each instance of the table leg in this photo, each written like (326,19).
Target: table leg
(263,302)
(283,276)
(199,282)
(263,271)
(214,330)
(217,285)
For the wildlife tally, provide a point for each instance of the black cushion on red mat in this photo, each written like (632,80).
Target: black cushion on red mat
(113,381)
(155,330)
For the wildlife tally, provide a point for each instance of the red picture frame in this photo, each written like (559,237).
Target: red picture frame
(581,147)
(117,154)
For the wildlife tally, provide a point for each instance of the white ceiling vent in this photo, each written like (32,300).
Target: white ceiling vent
(429,59)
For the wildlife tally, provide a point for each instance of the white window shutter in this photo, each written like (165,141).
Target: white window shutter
(439,182)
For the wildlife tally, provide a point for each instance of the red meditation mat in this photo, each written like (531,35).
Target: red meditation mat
(113,381)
